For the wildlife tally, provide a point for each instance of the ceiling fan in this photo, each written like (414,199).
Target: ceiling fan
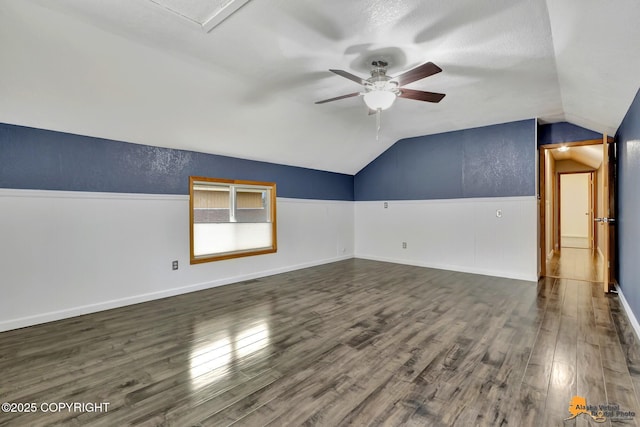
(380,90)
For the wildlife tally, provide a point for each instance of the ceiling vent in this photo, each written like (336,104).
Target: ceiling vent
(205,13)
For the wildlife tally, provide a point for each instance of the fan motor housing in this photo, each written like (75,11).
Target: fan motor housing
(379,79)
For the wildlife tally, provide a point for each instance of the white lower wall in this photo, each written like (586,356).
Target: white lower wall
(459,234)
(68,253)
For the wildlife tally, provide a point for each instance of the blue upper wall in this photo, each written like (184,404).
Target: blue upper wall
(47,160)
(555,133)
(491,161)
(628,198)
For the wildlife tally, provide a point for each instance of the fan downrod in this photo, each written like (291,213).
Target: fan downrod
(379,68)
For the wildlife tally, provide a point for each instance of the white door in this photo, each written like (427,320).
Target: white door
(574,210)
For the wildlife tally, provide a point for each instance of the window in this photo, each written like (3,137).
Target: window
(230,218)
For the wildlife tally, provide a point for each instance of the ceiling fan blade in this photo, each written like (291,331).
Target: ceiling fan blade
(338,98)
(420,95)
(420,72)
(349,76)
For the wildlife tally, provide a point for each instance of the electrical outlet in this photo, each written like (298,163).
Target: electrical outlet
(386,205)
(174,265)
(404,245)
(499,213)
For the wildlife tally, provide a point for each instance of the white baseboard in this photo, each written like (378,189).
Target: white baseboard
(463,269)
(107,305)
(632,318)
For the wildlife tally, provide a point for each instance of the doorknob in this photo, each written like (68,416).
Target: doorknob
(607,220)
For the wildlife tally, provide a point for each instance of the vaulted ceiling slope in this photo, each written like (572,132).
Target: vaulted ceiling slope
(137,71)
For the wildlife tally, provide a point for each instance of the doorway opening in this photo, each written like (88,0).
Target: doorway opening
(577,257)
(576,210)
(571,201)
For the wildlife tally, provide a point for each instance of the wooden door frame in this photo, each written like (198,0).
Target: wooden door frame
(542,196)
(609,155)
(613,213)
(593,195)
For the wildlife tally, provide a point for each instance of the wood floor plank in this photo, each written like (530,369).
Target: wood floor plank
(562,387)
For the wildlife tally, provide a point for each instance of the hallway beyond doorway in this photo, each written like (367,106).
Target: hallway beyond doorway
(576,263)
(575,242)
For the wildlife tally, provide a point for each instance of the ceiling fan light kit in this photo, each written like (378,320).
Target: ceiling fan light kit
(380,90)
(379,99)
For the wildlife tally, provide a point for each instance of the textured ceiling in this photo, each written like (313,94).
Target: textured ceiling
(134,71)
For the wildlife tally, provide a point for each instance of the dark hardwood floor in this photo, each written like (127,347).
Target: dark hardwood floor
(351,343)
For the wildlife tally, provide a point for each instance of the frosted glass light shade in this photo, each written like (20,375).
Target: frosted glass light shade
(379,99)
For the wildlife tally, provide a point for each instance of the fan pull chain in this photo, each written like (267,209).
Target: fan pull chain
(378,111)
